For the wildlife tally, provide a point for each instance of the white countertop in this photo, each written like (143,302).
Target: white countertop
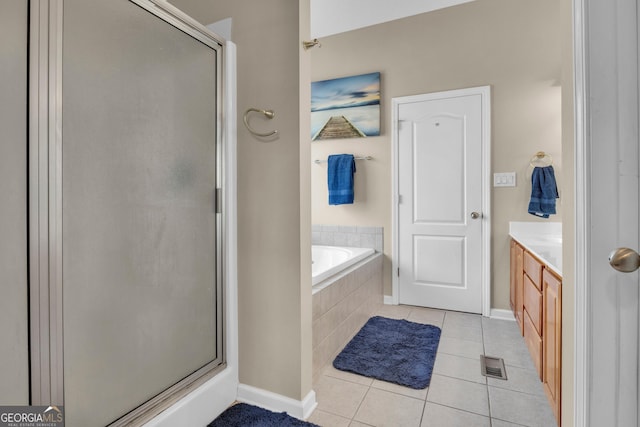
(542,239)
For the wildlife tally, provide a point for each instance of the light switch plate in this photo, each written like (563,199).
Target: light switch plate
(504,179)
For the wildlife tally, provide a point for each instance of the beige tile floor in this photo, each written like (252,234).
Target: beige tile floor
(458,394)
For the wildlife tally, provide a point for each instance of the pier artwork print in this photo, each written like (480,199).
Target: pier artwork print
(347,107)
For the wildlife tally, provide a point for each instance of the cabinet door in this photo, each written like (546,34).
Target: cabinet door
(534,344)
(519,288)
(552,336)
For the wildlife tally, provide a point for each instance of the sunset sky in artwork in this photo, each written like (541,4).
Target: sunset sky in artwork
(346,92)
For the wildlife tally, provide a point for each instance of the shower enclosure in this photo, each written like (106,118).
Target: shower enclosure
(125,172)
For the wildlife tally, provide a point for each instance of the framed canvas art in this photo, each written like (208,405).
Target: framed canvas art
(348,107)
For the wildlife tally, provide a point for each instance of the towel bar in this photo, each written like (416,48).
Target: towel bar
(318,161)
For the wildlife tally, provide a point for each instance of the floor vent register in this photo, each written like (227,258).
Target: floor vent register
(493,367)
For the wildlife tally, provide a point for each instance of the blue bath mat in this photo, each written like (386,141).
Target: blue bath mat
(396,351)
(243,415)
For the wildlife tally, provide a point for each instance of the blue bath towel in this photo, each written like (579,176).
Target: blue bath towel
(544,192)
(340,178)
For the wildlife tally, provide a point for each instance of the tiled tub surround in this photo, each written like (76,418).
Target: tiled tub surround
(343,307)
(352,236)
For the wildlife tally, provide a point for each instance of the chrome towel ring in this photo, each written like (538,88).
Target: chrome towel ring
(269,114)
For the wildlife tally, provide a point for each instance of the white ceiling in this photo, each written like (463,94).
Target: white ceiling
(337,16)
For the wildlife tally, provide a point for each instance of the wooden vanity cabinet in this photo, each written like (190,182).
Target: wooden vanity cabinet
(536,300)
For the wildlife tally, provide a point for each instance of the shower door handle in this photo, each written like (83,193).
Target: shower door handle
(625,260)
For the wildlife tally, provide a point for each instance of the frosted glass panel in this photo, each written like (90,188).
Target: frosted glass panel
(14,313)
(438,151)
(139,226)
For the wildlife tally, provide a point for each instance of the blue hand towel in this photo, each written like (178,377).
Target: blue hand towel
(340,178)
(544,192)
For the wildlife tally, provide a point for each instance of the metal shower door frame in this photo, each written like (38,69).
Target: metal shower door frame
(45,206)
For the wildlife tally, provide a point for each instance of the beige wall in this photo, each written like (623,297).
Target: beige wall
(274,291)
(14,337)
(513,46)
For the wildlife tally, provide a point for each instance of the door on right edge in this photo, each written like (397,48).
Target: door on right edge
(608,352)
(440,204)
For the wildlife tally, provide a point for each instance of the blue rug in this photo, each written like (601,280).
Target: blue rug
(396,351)
(243,415)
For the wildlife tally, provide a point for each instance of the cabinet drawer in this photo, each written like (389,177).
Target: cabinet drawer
(533,303)
(533,268)
(534,343)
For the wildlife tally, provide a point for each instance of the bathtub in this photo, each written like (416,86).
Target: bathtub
(330,260)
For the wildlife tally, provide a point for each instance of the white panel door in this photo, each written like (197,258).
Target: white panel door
(440,204)
(608,215)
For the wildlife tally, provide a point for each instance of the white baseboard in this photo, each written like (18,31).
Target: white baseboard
(300,409)
(497,313)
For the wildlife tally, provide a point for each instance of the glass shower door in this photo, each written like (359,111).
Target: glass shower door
(141,285)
